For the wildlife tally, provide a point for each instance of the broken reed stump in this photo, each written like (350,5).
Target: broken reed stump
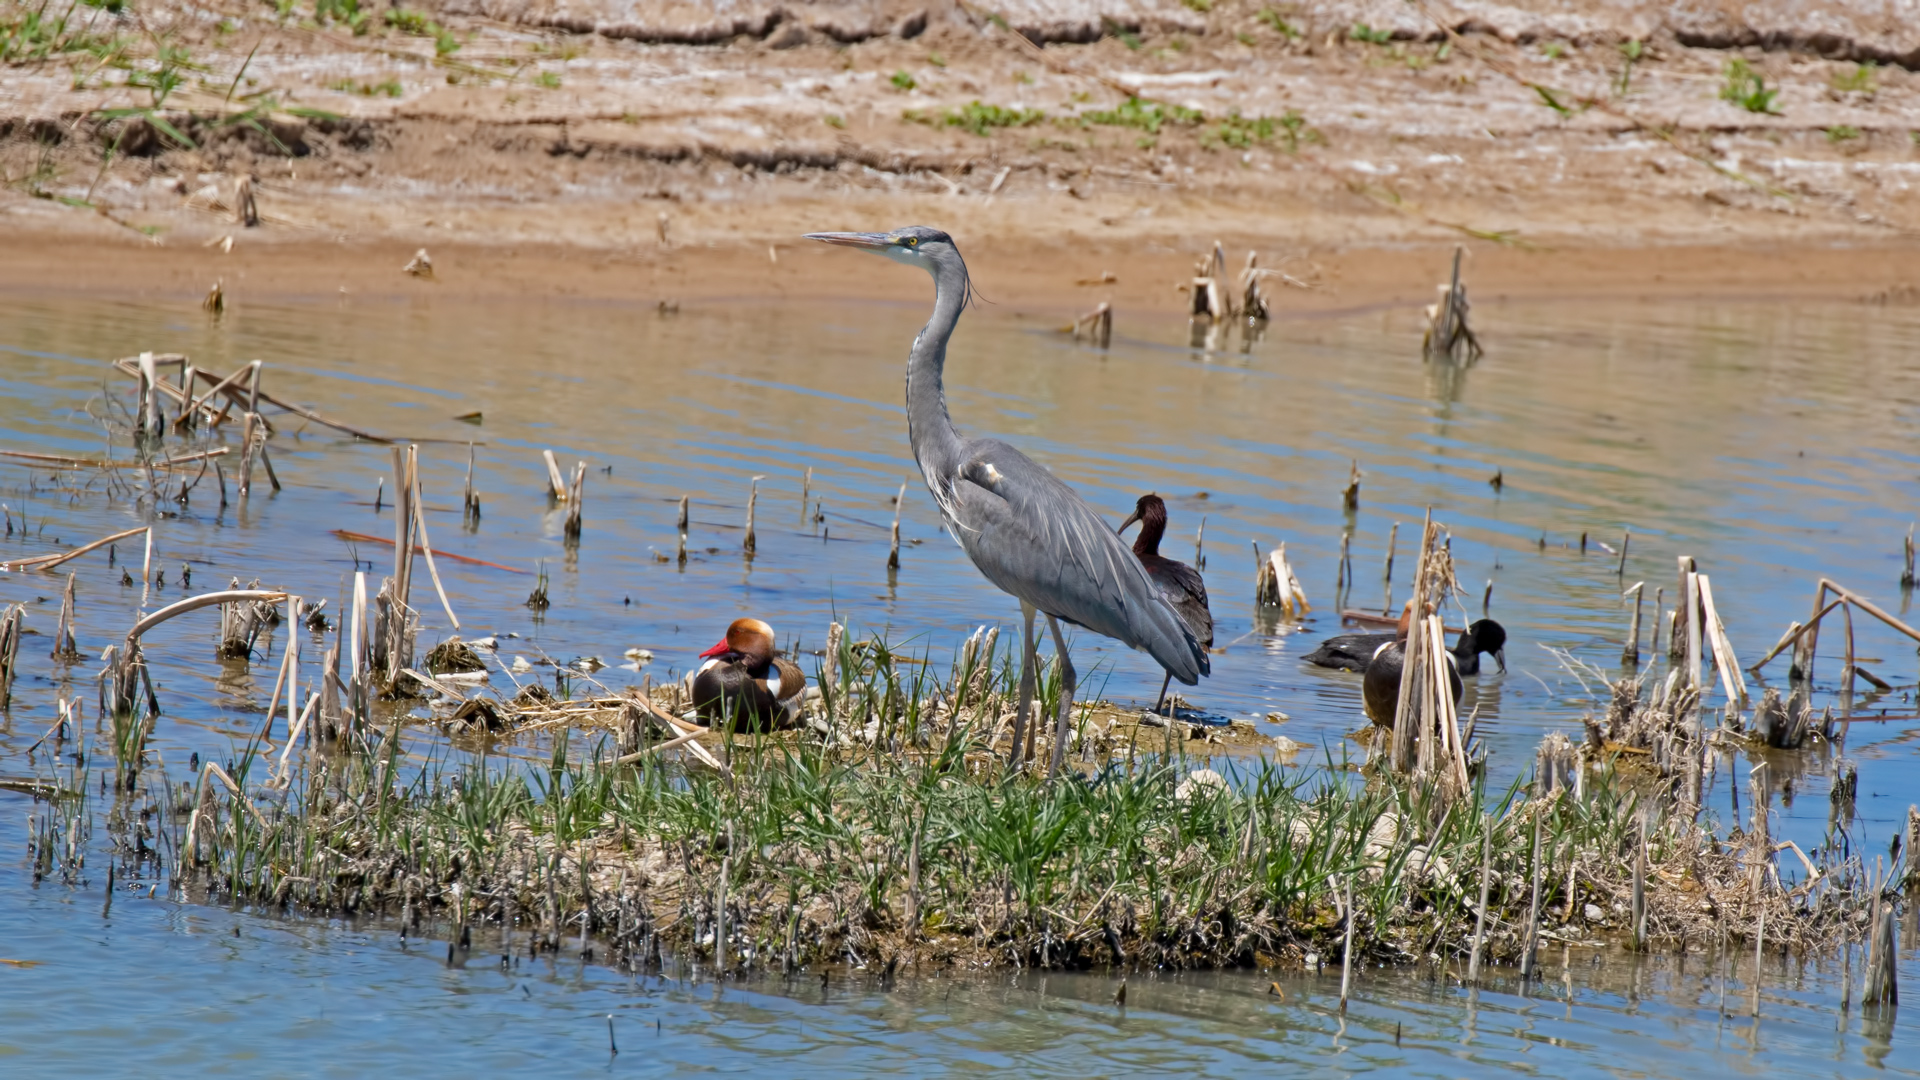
(124,675)
(1208,293)
(65,650)
(246,211)
(1253,301)
(10,650)
(750,543)
(1480,913)
(1096,326)
(1386,575)
(682,526)
(1350,498)
(1426,738)
(1200,545)
(556,483)
(1275,586)
(395,623)
(806,492)
(1449,336)
(893,553)
(241,622)
(575,498)
(1630,653)
(469,498)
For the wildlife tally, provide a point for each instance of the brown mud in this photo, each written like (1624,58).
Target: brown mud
(632,154)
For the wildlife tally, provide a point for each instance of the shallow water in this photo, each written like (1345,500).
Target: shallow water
(1772,442)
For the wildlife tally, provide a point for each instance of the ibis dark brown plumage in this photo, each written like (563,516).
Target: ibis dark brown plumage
(1180,585)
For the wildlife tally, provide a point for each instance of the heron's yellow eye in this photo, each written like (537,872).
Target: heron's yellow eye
(911,241)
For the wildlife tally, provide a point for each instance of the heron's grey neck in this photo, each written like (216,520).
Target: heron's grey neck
(936,445)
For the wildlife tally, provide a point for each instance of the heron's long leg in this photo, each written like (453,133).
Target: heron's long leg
(1027,653)
(1068,681)
(1162,699)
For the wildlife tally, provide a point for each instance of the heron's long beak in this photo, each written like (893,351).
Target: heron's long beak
(869,241)
(1131,520)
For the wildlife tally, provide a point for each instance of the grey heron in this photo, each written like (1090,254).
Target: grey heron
(1179,584)
(1027,532)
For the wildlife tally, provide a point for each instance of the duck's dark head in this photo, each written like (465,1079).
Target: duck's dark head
(1151,513)
(747,639)
(1487,636)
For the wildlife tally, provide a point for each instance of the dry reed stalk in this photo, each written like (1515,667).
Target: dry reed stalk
(249,446)
(1386,575)
(1690,589)
(246,212)
(682,525)
(1630,656)
(65,650)
(192,406)
(1346,964)
(556,483)
(576,501)
(469,501)
(1413,682)
(1200,544)
(392,640)
(1530,949)
(1486,886)
(893,552)
(1639,907)
(751,542)
(1912,883)
(1847,670)
(722,961)
(910,908)
(1626,537)
(10,650)
(1449,335)
(1253,299)
(48,562)
(150,424)
(426,544)
(1759,842)
(1209,298)
(1096,326)
(806,492)
(1276,585)
(1659,614)
(1350,498)
(1731,680)
(146,570)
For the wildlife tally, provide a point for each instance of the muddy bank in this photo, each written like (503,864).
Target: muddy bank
(571,136)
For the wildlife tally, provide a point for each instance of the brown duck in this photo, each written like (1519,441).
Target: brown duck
(743,681)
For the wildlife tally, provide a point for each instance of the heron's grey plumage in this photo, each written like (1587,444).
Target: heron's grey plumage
(1030,534)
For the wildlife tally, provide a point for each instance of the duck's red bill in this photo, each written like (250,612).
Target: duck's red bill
(721,649)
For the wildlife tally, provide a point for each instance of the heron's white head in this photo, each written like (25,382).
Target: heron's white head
(916,245)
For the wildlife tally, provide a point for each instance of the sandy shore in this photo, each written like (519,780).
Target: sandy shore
(542,157)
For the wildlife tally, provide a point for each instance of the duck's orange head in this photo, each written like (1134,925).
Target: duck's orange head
(1405,625)
(746,637)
